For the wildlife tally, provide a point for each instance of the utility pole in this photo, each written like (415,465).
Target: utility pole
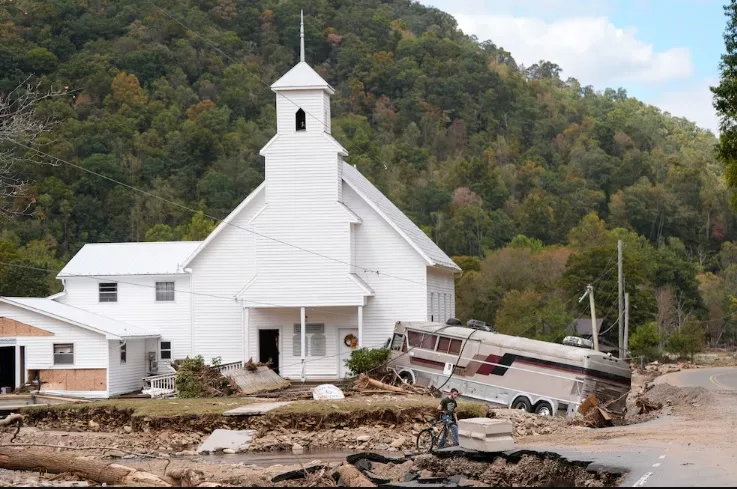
(594,329)
(620,287)
(626,321)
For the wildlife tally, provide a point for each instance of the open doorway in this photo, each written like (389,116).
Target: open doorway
(7,367)
(268,347)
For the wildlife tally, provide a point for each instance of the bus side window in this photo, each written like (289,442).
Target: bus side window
(455,346)
(397,341)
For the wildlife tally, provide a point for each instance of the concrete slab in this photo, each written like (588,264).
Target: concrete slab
(256,408)
(485,435)
(224,439)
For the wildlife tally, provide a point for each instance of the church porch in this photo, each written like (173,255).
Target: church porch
(303,343)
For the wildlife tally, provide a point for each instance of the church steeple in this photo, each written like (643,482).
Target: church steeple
(301,36)
(303,97)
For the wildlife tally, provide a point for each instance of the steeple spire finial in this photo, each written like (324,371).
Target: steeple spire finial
(301,36)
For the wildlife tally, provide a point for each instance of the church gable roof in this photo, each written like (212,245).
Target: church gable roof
(397,219)
(302,77)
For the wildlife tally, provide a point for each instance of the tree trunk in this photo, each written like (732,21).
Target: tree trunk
(57,463)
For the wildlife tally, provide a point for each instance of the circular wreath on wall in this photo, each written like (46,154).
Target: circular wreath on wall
(351,341)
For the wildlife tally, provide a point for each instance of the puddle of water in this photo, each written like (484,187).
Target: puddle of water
(287,458)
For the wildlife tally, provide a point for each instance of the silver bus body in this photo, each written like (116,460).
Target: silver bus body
(508,370)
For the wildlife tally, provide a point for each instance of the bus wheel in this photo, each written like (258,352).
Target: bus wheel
(544,409)
(522,403)
(407,377)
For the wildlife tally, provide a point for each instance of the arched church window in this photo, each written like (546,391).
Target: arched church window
(301,126)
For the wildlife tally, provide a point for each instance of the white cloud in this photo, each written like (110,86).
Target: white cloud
(693,102)
(591,49)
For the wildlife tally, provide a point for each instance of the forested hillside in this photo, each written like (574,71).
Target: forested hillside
(527,178)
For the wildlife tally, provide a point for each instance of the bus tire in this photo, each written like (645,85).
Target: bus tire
(522,403)
(543,408)
(407,377)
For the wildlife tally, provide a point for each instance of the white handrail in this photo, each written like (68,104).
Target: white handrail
(165,381)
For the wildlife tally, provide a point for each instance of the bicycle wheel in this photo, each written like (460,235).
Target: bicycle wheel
(425,440)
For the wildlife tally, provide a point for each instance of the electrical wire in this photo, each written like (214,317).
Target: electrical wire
(203,294)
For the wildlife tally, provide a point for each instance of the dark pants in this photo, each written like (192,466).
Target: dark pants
(448,425)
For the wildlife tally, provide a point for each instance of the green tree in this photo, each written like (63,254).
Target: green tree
(160,232)
(645,342)
(725,97)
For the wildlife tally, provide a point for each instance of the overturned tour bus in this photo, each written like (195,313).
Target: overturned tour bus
(520,373)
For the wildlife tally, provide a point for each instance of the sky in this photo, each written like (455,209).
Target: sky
(663,52)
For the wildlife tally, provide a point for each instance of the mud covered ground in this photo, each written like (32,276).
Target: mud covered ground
(530,470)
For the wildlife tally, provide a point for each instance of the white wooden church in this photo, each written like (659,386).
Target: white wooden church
(314,262)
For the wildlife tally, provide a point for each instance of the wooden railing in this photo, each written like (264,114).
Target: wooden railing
(228,367)
(164,381)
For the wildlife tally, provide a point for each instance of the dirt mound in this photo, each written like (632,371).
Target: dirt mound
(679,397)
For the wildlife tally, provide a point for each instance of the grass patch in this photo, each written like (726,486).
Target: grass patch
(369,404)
(154,407)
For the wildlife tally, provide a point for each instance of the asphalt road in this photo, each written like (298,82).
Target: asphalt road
(715,379)
(653,462)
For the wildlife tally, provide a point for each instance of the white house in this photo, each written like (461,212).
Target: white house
(313,258)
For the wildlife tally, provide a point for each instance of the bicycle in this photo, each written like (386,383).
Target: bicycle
(428,438)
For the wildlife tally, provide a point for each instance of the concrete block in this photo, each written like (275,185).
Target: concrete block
(255,409)
(223,439)
(485,435)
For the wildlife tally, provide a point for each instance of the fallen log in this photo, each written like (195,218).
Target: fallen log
(11,418)
(96,470)
(381,385)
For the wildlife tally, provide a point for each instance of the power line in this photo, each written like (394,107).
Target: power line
(181,206)
(204,294)
(223,221)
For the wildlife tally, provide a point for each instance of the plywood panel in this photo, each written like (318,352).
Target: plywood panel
(80,379)
(11,328)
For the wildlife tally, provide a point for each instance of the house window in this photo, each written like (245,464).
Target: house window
(166,350)
(164,291)
(301,119)
(449,345)
(64,354)
(315,340)
(108,292)
(123,353)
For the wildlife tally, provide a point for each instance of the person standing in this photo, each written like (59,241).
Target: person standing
(449,418)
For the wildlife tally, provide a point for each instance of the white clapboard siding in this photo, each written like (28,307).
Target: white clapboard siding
(301,170)
(440,295)
(126,377)
(90,348)
(222,269)
(313,102)
(303,212)
(377,246)
(137,305)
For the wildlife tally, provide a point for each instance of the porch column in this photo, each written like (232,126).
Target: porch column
(360,327)
(246,333)
(303,340)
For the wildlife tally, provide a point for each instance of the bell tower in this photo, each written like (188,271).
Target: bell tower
(302,97)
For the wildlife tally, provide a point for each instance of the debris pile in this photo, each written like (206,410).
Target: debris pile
(367,385)
(196,379)
(256,378)
(528,424)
